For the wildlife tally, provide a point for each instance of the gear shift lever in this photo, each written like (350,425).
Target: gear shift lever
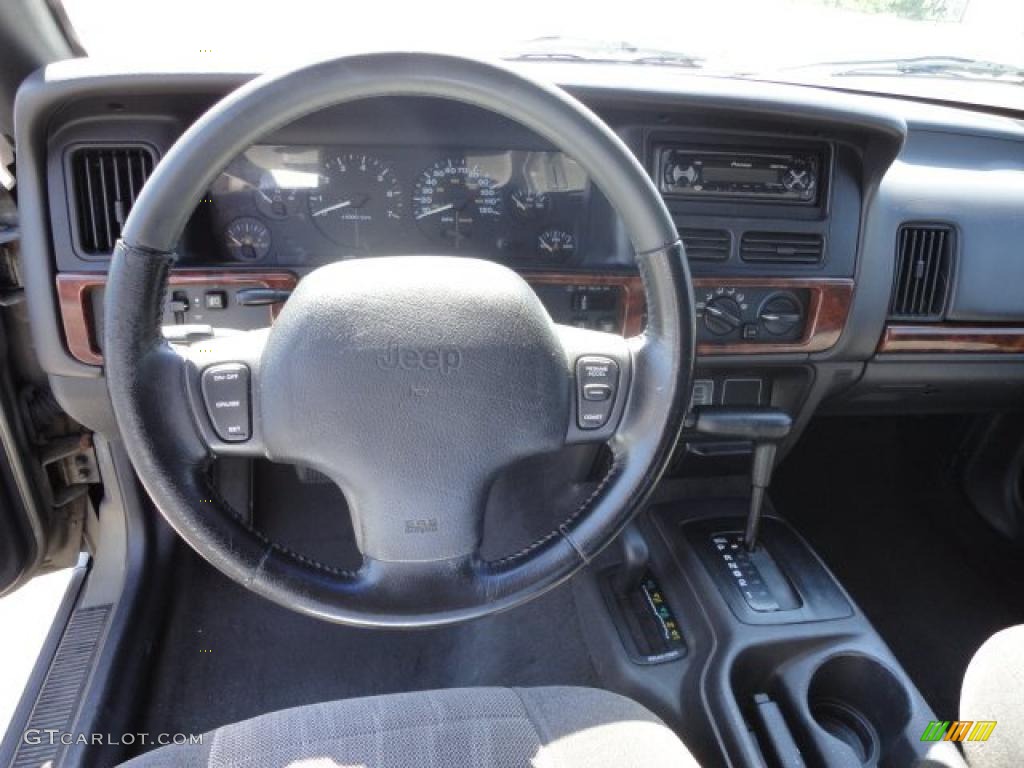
(765,427)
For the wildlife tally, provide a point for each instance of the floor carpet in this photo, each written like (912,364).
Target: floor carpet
(881,502)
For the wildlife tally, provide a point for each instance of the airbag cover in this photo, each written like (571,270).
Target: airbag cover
(410,381)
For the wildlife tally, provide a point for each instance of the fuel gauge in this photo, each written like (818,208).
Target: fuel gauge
(530,205)
(274,200)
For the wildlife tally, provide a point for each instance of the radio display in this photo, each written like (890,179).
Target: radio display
(739,175)
(766,176)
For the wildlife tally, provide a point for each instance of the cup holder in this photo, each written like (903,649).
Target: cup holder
(859,702)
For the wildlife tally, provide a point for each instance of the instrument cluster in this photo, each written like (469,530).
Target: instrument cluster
(297,204)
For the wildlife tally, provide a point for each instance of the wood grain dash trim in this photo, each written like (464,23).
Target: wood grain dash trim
(829,307)
(950,338)
(633,304)
(75,301)
(830,301)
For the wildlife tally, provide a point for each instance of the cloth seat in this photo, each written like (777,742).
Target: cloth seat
(993,689)
(555,727)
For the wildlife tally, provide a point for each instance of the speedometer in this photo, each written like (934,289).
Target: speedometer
(455,202)
(357,195)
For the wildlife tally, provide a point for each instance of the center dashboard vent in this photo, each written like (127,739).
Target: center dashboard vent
(106,183)
(706,244)
(924,263)
(782,247)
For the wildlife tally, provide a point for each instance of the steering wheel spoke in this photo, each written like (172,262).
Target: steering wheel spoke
(222,379)
(600,367)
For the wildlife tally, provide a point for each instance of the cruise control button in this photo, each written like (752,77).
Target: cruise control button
(597,382)
(226,393)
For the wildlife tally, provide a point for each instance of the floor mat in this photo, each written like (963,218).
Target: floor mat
(227,655)
(879,502)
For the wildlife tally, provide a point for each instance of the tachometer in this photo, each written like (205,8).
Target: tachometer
(456,202)
(356,197)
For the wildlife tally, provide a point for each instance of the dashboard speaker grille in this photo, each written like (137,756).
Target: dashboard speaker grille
(924,262)
(782,247)
(706,244)
(107,182)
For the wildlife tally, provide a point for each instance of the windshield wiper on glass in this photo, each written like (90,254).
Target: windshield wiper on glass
(928,66)
(557,48)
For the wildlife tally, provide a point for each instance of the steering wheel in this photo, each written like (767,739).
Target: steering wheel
(409,381)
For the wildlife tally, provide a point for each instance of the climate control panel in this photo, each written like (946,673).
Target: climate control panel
(750,314)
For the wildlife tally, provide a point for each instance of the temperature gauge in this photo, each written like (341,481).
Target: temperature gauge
(556,245)
(247,239)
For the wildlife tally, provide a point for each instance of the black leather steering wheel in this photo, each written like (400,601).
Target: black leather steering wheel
(410,382)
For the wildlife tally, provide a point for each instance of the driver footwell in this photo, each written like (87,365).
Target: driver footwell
(226,654)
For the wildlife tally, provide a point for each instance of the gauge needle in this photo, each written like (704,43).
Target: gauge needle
(547,246)
(432,211)
(334,207)
(235,240)
(249,184)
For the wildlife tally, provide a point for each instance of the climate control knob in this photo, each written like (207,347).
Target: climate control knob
(722,315)
(781,314)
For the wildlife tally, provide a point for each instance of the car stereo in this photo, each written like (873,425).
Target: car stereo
(792,177)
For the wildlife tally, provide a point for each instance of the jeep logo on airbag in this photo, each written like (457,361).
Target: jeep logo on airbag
(445,358)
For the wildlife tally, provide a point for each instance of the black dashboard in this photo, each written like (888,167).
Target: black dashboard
(848,251)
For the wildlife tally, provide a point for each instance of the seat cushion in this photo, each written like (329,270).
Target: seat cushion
(558,727)
(993,689)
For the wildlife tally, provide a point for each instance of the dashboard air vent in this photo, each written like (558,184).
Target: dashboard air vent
(782,247)
(706,244)
(107,181)
(924,261)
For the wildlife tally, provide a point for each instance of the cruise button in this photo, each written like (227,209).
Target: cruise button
(597,382)
(597,392)
(226,394)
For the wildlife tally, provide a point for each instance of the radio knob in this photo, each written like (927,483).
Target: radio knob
(799,179)
(722,315)
(781,314)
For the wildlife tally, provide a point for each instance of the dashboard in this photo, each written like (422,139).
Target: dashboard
(312,204)
(848,252)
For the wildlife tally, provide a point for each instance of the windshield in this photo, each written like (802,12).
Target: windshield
(956,50)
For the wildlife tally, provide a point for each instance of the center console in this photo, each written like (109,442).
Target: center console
(788,674)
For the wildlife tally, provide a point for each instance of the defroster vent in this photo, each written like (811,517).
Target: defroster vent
(107,182)
(706,244)
(924,263)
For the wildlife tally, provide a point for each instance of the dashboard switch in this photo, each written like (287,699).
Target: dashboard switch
(226,393)
(216,300)
(597,383)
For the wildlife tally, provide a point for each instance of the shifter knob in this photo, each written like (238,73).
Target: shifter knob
(765,427)
(760,424)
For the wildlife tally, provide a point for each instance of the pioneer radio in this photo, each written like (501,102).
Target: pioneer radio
(791,177)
